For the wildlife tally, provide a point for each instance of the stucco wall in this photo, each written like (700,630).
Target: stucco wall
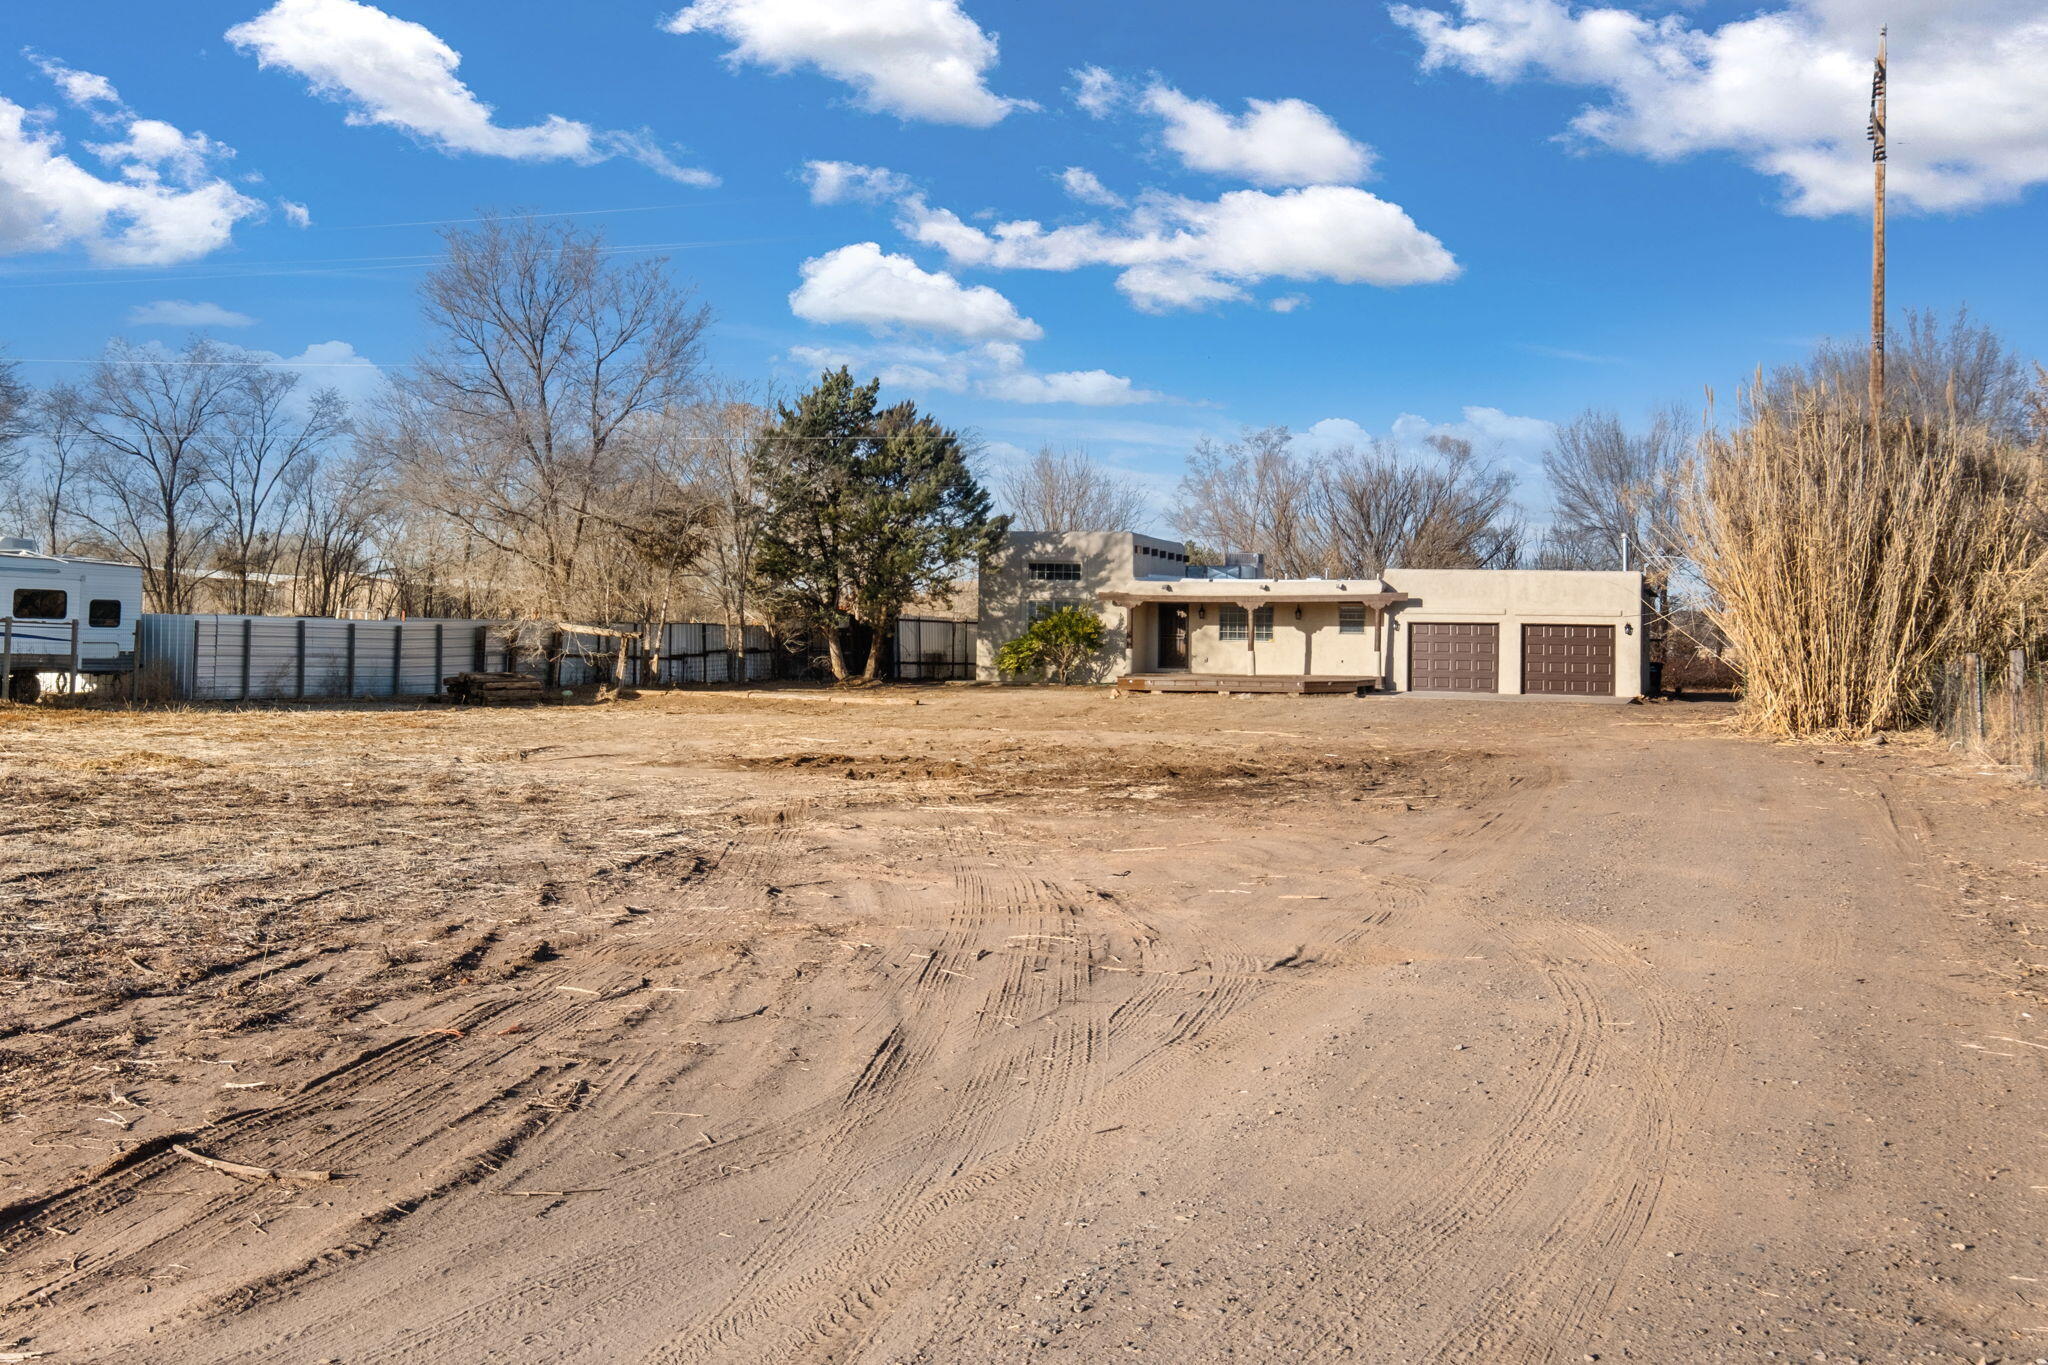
(1513,598)
(1309,645)
(1008,591)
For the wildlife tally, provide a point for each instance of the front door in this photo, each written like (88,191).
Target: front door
(1173,636)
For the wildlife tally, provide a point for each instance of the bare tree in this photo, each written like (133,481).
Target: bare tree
(520,423)
(147,418)
(265,448)
(17,407)
(1612,486)
(1065,490)
(1936,369)
(1449,510)
(1255,494)
(714,441)
(335,514)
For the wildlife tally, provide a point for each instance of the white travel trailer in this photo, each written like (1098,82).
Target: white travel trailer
(63,615)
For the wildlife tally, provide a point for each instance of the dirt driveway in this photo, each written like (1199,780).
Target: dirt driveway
(964,1025)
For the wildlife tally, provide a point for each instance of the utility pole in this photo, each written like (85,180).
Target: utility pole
(1877,157)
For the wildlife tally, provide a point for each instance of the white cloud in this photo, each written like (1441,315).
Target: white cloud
(917,59)
(1186,253)
(166,202)
(1097,92)
(1090,388)
(995,370)
(298,215)
(1085,186)
(1275,143)
(1288,303)
(80,88)
(181,313)
(1786,89)
(840,182)
(400,74)
(859,284)
(335,365)
(1517,442)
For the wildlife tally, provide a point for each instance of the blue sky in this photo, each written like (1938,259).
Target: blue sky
(1482,216)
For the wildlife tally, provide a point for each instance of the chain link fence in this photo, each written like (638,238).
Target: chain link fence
(1996,707)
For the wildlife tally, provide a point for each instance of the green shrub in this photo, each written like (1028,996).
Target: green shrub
(1057,644)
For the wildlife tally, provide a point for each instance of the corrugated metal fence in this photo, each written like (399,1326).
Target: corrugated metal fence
(1997,707)
(237,658)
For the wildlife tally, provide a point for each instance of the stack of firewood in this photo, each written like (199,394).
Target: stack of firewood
(494,689)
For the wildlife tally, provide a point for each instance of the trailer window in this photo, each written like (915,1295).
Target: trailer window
(40,604)
(103,612)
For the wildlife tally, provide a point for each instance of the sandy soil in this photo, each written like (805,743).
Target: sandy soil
(960,1025)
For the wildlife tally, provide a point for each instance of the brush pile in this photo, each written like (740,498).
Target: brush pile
(494,689)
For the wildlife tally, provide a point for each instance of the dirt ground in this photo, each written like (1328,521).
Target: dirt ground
(960,1024)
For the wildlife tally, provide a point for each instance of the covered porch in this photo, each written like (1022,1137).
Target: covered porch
(1306,637)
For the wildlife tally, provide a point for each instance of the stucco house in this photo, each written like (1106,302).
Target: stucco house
(1174,626)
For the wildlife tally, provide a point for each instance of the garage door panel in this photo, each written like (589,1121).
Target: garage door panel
(1572,661)
(1453,656)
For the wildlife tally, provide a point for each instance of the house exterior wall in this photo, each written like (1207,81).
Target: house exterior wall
(1312,644)
(1009,592)
(1513,598)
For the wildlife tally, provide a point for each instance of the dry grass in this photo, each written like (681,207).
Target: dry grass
(1848,569)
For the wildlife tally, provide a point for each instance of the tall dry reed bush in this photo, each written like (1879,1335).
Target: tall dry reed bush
(1847,567)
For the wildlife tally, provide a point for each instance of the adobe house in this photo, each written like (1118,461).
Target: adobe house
(1176,627)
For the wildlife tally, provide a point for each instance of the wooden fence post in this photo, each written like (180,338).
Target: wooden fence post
(6,658)
(397,654)
(248,652)
(349,657)
(440,653)
(299,648)
(71,681)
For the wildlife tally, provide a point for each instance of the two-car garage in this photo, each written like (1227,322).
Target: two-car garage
(1555,660)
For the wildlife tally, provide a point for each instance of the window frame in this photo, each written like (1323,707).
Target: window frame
(97,618)
(63,596)
(1262,624)
(1351,618)
(1233,623)
(1038,570)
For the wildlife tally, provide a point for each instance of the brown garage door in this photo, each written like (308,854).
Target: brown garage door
(1573,661)
(1453,656)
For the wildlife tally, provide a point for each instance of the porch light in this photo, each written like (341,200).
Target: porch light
(1202,613)
(1628,630)
(1297,613)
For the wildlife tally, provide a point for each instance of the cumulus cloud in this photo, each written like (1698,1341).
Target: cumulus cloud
(1518,442)
(164,201)
(863,286)
(1786,89)
(297,214)
(396,73)
(1085,186)
(1186,253)
(183,313)
(917,59)
(1274,143)
(840,182)
(995,370)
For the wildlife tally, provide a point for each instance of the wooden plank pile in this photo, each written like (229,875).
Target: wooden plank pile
(494,689)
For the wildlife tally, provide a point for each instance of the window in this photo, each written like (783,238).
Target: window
(1056,572)
(1230,623)
(1262,624)
(41,604)
(103,612)
(1351,618)
(1040,610)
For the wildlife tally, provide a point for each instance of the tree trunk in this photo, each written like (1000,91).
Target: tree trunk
(834,655)
(882,631)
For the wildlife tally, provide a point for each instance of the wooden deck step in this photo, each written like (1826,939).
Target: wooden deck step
(1313,685)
